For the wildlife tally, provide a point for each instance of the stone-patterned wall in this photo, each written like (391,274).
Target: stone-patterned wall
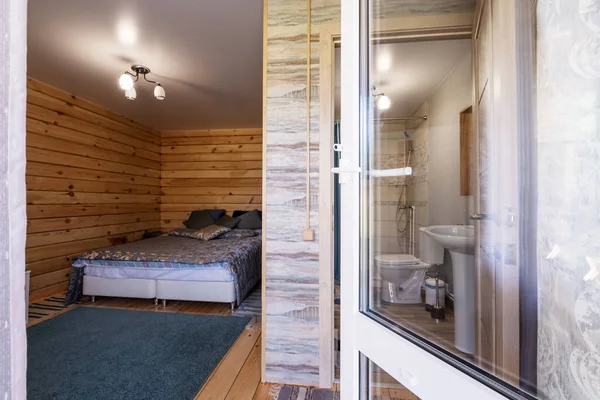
(568,118)
(292,294)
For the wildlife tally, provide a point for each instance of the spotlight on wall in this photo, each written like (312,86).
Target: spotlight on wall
(127,81)
(382,101)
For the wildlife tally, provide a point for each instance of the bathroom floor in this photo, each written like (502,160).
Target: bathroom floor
(413,317)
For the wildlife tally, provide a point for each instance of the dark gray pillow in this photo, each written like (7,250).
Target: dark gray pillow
(199,219)
(239,213)
(250,220)
(227,221)
(216,214)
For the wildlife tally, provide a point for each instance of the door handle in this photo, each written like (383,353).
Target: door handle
(481,217)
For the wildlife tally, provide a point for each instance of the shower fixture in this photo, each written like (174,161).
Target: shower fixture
(409,142)
(405,213)
(127,80)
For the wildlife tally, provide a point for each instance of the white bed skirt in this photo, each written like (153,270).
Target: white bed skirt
(134,288)
(218,292)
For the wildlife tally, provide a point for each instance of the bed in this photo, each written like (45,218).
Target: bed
(167,267)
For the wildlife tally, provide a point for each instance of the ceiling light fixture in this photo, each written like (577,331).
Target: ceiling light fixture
(382,101)
(127,80)
(130,94)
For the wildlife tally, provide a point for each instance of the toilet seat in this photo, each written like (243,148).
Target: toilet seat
(401,261)
(401,276)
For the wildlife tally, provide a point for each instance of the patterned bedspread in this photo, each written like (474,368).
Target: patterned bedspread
(240,257)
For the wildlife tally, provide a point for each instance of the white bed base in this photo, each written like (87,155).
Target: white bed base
(217,292)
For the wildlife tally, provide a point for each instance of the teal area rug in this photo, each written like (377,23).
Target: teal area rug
(101,353)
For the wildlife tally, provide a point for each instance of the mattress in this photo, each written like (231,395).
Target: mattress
(173,258)
(173,274)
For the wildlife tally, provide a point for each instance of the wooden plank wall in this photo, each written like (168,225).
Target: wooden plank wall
(209,169)
(93,180)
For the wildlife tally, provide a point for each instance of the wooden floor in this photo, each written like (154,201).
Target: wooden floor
(238,374)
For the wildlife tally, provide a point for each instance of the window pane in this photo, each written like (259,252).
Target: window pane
(481,237)
(382,386)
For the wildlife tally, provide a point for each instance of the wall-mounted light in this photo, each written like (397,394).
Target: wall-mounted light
(382,101)
(127,81)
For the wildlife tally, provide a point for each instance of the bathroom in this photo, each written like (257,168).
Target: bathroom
(422,174)
(429,87)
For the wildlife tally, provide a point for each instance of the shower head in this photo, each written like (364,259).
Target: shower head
(410,142)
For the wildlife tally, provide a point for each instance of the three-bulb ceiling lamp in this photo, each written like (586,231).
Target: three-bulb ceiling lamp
(127,80)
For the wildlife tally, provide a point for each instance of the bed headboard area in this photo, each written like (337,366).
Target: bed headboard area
(93,180)
(204,169)
(97,179)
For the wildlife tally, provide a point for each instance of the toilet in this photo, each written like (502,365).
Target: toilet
(402,275)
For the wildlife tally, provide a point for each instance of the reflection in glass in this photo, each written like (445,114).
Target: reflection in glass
(481,241)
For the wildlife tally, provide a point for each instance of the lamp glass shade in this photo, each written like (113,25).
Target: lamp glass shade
(159,92)
(130,94)
(126,82)
(384,103)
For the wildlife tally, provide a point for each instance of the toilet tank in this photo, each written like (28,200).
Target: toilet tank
(430,251)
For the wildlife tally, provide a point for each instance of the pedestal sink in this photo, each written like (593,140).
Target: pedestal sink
(460,241)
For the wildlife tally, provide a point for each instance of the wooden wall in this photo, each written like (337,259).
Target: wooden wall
(209,169)
(93,180)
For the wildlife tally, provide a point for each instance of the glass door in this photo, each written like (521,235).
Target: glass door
(407,81)
(460,120)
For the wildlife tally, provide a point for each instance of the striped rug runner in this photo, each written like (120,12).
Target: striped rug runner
(302,393)
(251,307)
(45,307)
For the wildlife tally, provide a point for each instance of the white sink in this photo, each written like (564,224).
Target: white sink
(458,238)
(460,241)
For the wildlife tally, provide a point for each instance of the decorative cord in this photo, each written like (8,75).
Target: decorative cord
(308,98)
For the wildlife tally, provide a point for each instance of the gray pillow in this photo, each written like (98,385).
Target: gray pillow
(199,219)
(250,220)
(208,233)
(216,214)
(227,221)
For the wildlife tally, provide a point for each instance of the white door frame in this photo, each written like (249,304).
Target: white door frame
(13,222)
(428,376)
